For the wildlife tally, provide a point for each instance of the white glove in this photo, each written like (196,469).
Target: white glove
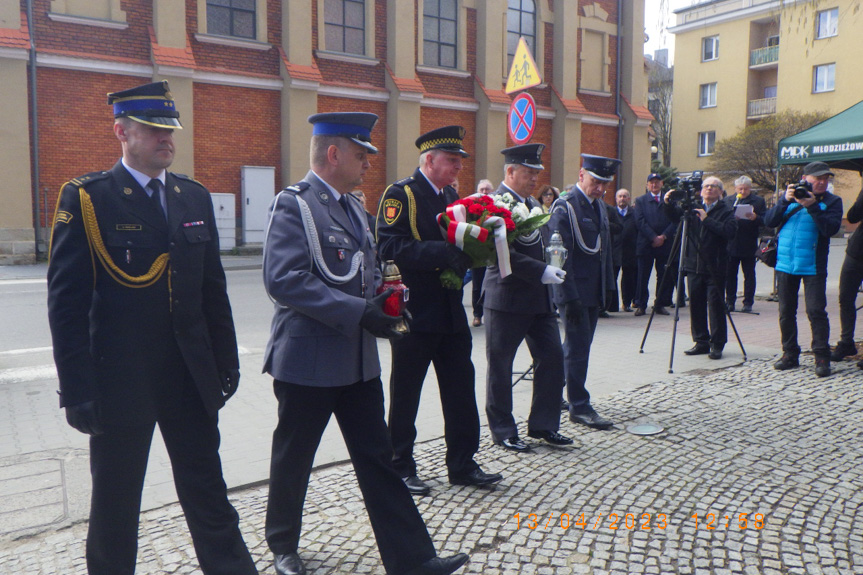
(553,275)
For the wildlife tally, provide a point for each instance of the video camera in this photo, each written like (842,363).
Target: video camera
(685,191)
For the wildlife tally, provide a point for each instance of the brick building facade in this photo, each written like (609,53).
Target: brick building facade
(247,73)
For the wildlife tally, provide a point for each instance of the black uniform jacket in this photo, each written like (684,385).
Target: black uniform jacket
(522,291)
(855,242)
(408,233)
(132,348)
(630,237)
(651,221)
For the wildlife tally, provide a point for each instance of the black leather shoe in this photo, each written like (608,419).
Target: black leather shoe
(289,564)
(514,443)
(440,565)
(476,478)
(564,404)
(786,362)
(591,419)
(639,312)
(698,349)
(822,367)
(715,353)
(604,314)
(627,309)
(843,350)
(416,486)
(746,308)
(659,310)
(729,307)
(552,437)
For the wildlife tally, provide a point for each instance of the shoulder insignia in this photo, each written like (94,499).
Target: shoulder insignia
(405,182)
(392,210)
(62,217)
(87,179)
(298,187)
(188,179)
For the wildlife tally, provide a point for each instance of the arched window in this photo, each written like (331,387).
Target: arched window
(440,32)
(520,21)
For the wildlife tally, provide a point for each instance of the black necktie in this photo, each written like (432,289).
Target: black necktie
(343,201)
(156,196)
(596,209)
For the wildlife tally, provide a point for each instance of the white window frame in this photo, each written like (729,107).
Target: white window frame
(707,95)
(827,23)
(368,58)
(438,42)
(824,78)
(713,41)
(706,143)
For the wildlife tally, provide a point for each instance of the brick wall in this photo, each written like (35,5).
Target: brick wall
(601,141)
(234,127)
(75,127)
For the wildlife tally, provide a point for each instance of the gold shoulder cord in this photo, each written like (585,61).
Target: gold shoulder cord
(94,238)
(412,212)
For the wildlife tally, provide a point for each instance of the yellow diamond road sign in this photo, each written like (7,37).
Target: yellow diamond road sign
(524,72)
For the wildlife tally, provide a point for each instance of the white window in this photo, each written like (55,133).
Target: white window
(827,23)
(823,78)
(706,141)
(708,96)
(709,48)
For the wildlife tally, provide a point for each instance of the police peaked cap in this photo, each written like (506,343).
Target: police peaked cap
(355,126)
(529,155)
(150,104)
(446,139)
(600,167)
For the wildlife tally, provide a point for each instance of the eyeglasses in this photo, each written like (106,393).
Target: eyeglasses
(711,186)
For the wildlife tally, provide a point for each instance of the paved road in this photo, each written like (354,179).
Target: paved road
(740,440)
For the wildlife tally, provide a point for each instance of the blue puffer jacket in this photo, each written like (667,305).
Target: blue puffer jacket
(804,240)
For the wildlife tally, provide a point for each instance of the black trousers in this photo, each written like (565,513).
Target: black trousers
(118,463)
(747,264)
(478,275)
(304,411)
(504,333)
(656,260)
(628,284)
(706,302)
(576,357)
(815,296)
(450,354)
(849,282)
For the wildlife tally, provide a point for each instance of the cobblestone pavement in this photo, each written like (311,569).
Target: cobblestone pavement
(758,471)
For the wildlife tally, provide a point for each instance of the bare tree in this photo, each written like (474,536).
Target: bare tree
(753,151)
(660,82)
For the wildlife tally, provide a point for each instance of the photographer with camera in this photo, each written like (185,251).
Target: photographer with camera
(712,227)
(809,215)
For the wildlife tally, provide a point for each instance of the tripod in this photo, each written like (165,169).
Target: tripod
(678,248)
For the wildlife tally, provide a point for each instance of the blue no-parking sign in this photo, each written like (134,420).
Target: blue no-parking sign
(522,119)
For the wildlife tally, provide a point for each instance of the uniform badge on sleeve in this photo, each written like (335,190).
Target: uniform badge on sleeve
(63,217)
(392,211)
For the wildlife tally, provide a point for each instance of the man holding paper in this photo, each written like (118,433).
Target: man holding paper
(749,210)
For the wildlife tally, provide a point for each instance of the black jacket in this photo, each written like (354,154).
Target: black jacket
(707,240)
(138,350)
(746,239)
(855,242)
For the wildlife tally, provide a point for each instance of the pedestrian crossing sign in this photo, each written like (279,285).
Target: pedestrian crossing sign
(524,73)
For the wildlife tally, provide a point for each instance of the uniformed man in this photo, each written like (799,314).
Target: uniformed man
(519,307)
(408,233)
(143,334)
(582,221)
(320,270)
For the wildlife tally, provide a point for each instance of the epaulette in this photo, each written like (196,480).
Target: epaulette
(298,187)
(87,179)
(188,179)
(406,181)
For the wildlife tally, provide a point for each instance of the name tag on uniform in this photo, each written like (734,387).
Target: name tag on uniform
(129,227)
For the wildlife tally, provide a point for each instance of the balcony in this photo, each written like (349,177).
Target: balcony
(764,56)
(761,108)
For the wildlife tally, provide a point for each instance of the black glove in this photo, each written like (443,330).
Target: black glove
(85,417)
(457,260)
(375,321)
(573,311)
(230,381)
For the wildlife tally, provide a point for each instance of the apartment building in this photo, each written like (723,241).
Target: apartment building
(246,74)
(739,61)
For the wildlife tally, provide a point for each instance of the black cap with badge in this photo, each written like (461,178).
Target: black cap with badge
(447,139)
(529,155)
(355,126)
(600,167)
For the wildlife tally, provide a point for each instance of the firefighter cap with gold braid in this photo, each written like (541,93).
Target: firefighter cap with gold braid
(150,104)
